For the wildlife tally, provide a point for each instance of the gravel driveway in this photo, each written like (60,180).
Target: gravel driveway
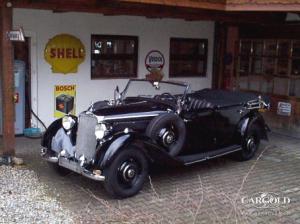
(24,199)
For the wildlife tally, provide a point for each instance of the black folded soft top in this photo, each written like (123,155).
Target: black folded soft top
(223,98)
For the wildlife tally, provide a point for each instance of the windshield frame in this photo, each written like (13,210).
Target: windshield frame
(183,84)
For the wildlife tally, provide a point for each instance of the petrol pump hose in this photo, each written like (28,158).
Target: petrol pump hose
(35,115)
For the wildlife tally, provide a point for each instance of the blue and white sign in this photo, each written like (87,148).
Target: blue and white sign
(284,109)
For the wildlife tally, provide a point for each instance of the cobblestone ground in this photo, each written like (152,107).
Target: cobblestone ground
(217,191)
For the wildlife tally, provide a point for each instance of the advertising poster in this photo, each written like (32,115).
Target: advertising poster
(154,61)
(284,109)
(64,99)
(64,53)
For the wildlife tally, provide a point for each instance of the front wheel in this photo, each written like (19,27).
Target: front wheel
(250,144)
(126,175)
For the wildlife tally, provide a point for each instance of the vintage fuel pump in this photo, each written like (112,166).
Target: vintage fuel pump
(19,97)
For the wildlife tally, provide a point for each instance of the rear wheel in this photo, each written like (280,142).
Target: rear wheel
(250,143)
(126,175)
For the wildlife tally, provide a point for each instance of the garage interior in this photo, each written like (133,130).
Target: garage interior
(249,52)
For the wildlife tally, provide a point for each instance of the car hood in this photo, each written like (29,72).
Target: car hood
(132,107)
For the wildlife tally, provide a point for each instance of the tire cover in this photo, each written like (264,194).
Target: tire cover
(162,121)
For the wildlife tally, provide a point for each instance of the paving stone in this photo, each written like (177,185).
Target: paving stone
(210,192)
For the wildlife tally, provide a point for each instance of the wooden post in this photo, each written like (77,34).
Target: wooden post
(219,53)
(7,80)
(232,38)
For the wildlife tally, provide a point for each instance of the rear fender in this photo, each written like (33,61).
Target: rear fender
(251,119)
(259,120)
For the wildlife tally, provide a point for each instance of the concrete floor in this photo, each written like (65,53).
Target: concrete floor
(216,191)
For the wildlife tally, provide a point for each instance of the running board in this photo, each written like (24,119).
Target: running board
(196,158)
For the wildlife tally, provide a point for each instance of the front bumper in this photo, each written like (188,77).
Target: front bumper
(72,165)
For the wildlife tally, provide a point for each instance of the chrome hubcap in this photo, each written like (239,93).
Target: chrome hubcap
(128,171)
(131,173)
(251,144)
(168,138)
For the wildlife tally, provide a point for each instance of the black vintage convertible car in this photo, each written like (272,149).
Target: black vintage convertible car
(154,122)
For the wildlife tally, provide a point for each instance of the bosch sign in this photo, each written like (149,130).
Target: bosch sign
(154,60)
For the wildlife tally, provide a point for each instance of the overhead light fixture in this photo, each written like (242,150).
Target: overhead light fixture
(8,4)
(292,17)
(16,35)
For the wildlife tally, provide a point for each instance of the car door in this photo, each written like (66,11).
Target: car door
(200,130)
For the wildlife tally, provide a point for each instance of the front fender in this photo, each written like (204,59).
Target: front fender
(118,142)
(50,132)
(153,152)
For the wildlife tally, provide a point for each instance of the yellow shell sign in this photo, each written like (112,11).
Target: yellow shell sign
(64,53)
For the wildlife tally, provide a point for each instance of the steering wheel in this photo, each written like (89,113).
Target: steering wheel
(167,96)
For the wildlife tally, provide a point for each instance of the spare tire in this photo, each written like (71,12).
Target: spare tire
(169,131)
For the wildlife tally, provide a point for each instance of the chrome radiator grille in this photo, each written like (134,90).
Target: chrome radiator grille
(86,140)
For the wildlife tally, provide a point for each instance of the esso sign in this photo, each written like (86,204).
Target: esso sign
(154,60)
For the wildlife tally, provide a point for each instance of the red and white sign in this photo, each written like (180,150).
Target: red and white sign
(64,53)
(154,60)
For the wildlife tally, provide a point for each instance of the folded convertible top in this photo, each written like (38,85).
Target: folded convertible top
(224,98)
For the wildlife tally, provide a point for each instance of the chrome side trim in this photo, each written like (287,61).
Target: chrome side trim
(128,116)
(197,161)
(212,157)
(225,153)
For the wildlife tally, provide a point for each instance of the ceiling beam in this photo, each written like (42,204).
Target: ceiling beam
(211,5)
(228,5)
(263,7)
(215,5)
(125,7)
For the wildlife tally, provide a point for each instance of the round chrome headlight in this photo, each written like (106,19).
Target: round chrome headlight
(68,122)
(100,130)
